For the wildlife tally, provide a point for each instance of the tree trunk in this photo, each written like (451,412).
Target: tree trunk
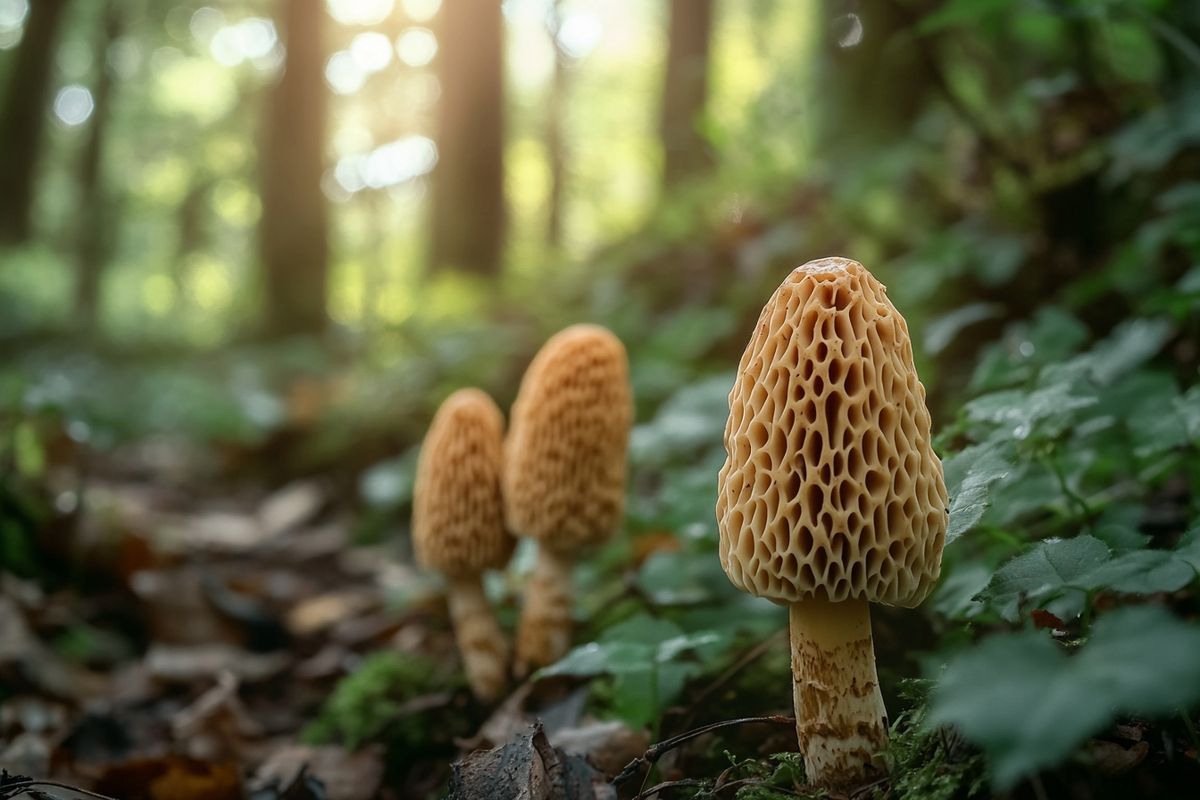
(95,212)
(685,150)
(468,182)
(293,232)
(871,72)
(555,134)
(23,117)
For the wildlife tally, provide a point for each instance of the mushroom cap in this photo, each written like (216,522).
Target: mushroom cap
(831,488)
(564,476)
(458,514)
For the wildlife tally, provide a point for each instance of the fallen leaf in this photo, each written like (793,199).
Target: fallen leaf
(190,663)
(527,768)
(290,507)
(171,778)
(344,775)
(323,611)
(1110,758)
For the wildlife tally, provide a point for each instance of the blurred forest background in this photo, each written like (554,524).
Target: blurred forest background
(247,247)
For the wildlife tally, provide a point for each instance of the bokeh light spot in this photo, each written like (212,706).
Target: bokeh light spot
(372,51)
(73,105)
(359,12)
(579,33)
(420,10)
(13,14)
(416,46)
(205,23)
(343,73)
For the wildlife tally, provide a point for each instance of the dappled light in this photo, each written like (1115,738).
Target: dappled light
(599,399)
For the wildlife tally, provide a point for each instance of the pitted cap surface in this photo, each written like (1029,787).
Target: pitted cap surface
(458,514)
(564,478)
(831,488)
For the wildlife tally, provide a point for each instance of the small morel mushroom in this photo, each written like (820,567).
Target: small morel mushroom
(831,497)
(458,527)
(564,473)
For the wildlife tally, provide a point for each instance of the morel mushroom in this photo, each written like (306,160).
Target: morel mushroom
(458,527)
(564,475)
(831,496)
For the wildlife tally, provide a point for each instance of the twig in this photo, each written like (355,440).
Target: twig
(21,786)
(656,751)
(679,784)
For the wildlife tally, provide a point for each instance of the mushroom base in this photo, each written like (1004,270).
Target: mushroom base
(840,718)
(544,633)
(481,643)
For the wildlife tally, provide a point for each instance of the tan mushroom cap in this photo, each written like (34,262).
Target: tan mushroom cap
(831,488)
(564,478)
(458,514)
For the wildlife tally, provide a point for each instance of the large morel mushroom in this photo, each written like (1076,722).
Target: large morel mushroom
(458,527)
(564,473)
(831,497)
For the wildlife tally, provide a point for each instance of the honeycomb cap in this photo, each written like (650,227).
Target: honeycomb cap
(831,488)
(458,515)
(564,477)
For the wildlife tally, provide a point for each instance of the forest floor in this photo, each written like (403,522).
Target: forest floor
(195,641)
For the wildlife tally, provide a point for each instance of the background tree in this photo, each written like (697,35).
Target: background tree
(870,68)
(95,214)
(685,90)
(556,147)
(23,117)
(293,230)
(468,218)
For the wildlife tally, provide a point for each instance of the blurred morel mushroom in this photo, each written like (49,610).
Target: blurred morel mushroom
(564,475)
(458,527)
(831,497)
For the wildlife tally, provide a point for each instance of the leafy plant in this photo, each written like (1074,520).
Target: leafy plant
(1029,704)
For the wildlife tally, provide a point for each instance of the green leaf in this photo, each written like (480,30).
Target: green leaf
(28,453)
(969,478)
(1189,410)
(1188,549)
(1028,705)
(645,657)
(1140,572)
(940,332)
(1133,343)
(961,12)
(1047,410)
(1049,570)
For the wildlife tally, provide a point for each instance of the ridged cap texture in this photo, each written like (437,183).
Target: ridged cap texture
(831,488)
(458,514)
(564,477)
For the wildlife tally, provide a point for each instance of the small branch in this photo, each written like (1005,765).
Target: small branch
(1070,493)
(679,784)
(23,786)
(656,751)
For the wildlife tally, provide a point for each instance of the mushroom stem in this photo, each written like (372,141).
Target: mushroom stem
(480,641)
(544,633)
(840,718)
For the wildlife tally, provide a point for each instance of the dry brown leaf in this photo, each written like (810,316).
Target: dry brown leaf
(191,663)
(171,778)
(346,775)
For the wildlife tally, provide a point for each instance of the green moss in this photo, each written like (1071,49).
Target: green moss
(929,764)
(366,705)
